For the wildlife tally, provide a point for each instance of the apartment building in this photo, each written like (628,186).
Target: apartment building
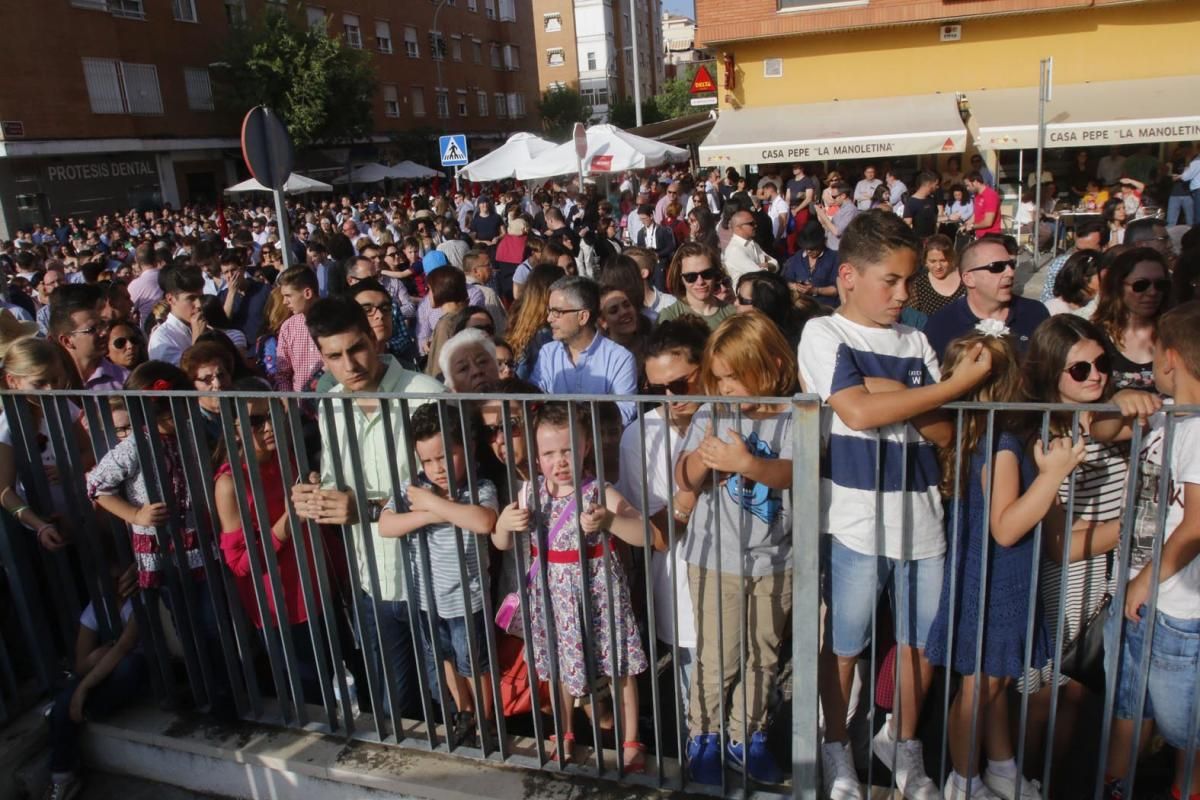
(891,79)
(108,104)
(587,45)
(679,50)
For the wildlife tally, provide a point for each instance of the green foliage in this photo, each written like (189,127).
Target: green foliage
(622,112)
(321,88)
(560,110)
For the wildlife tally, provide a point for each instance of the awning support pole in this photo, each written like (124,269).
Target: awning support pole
(1044,92)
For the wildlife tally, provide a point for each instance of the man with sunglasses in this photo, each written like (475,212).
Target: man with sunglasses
(988,268)
(835,219)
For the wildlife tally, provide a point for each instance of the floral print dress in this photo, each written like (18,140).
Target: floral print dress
(566,606)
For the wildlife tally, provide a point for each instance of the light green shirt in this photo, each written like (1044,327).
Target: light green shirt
(377,478)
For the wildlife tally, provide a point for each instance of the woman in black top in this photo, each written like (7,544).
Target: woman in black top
(486,226)
(938,284)
(1134,293)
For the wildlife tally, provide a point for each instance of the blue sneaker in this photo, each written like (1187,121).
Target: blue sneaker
(759,763)
(704,758)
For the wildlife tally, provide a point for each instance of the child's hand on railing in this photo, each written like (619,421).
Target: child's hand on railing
(513,518)
(1059,456)
(151,515)
(596,518)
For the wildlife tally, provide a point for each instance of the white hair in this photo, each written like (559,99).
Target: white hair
(464,338)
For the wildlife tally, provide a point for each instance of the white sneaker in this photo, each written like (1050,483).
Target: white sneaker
(909,768)
(955,792)
(841,779)
(1002,786)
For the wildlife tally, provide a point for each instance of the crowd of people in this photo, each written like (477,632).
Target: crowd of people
(887,303)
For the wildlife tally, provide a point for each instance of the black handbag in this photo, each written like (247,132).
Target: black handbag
(1083,659)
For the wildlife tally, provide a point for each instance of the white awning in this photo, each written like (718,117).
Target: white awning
(888,127)
(1090,114)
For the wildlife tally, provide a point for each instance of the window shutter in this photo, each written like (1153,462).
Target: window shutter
(103,85)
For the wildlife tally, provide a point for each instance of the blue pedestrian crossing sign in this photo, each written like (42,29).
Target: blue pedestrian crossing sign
(453,149)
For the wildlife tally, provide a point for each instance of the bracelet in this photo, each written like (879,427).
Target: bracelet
(38,532)
(16,512)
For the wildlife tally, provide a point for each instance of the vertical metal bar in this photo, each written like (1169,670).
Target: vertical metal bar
(1164,505)
(648,555)
(900,597)
(880,562)
(722,736)
(232,629)
(585,582)
(1112,659)
(743,581)
(682,725)
(806,595)
(989,469)
(1031,619)
(317,614)
(324,588)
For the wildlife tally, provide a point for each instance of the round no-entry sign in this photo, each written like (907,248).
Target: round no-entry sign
(267,148)
(580,137)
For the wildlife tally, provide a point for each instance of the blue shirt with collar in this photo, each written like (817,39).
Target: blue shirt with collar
(250,308)
(604,367)
(957,319)
(823,273)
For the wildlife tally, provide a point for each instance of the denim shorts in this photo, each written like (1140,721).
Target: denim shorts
(847,580)
(452,636)
(1173,680)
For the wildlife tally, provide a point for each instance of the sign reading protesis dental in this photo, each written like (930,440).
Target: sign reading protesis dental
(101,170)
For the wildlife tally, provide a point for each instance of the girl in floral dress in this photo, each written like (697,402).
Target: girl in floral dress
(563,515)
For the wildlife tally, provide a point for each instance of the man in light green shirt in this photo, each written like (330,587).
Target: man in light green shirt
(348,350)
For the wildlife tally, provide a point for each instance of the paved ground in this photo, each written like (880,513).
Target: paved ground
(101,786)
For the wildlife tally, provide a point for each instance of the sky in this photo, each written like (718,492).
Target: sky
(684,7)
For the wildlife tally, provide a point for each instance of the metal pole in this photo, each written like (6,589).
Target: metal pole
(637,81)
(1044,93)
(281,222)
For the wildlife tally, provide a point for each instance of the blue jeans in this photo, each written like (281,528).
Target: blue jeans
(1180,205)
(395,634)
(124,685)
(453,633)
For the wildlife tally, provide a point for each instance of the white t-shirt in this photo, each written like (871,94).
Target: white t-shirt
(1179,595)
(47,452)
(836,354)
(662,567)
(88,618)
(658,302)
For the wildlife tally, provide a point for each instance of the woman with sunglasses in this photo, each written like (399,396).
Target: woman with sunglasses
(126,345)
(693,277)
(1068,362)
(1134,293)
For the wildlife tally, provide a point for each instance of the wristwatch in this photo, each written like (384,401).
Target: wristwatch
(374,509)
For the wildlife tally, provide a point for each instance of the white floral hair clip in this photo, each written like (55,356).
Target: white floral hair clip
(992,327)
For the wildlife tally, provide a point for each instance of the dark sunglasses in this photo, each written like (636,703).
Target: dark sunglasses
(710,274)
(997,267)
(1162,285)
(1080,371)
(492,431)
(121,341)
(259,421)
(678,386)
(745,301)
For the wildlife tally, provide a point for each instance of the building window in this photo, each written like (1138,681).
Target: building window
(472,5)
(411,47)
(555,86)
(235,11)
(501,105)
(591,60)
(555,57)
(552,23)
(353,32)
(383,36)
(316,17)
(495,56)
(199,88)
(115,87)
(594,95)
(772,67)
(184,10)
(512,57)
(788,5)
(462,102)
(437,45)
(508,11)
(391,101)
(477,51)
(516,105)
(91,5)
(481,102)
(456,47)
(443,102)
(489,8)
(130,9)
(418,101)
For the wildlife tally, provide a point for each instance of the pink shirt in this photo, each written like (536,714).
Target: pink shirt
(984,203)
(145,292)
(296,355)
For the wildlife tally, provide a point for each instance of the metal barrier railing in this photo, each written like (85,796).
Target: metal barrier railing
(370,656)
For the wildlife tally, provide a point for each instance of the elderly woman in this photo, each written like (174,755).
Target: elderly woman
(468,362)
(210,368)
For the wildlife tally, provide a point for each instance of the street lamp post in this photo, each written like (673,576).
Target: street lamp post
(437,63)
(637,81)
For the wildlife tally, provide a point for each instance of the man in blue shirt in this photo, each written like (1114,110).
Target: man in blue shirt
(988,270)
(244,299)
(580,360)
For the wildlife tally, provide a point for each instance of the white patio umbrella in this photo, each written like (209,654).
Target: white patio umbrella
(504,162)
(296,184)
(411,170)
(609,149)
(367,173)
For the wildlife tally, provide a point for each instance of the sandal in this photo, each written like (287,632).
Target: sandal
(637,764)
(568,747)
